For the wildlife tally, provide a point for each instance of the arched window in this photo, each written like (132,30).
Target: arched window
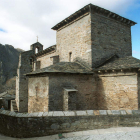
(36,50)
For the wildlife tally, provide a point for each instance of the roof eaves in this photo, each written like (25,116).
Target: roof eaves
(96,9)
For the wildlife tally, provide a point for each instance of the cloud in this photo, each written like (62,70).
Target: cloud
(25,19)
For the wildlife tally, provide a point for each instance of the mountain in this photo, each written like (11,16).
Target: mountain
(9,57)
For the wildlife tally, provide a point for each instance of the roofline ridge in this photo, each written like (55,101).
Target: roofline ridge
(83,65)
(88,9)
(107,60)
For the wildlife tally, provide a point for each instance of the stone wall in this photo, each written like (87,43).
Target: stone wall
(93,37)
(22,82)
(139,90)
(38,94)
(84,84)
(109,91)
(117,91)
(75,39)
(23,125)
(85,94)
(46,60)
(109,36)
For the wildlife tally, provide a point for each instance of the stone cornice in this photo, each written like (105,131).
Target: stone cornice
(90,8)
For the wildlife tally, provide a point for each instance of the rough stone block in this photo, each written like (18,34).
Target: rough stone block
(3,112)
(136,112)
(58,113)
(13,114)
(123,112)
(81,113)
(25,115)
(40,114)
(45,114)
(35,114)
(55,126)
(50,113)
(102,112)
(109,112)
(90,112)
(7,112)
(30,115)
(115,112)
(129,112)
(65,125)
(96,112)
(20,114)
(69,113)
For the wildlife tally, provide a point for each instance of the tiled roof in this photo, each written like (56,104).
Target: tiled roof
(104,59)
(90,8)
(63,67)
(120,63)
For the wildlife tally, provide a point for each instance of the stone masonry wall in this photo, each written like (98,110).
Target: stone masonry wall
(52,100)
(85,94)
(46,60)
(38,94)
(109,36)
(75,38)
(139,90)
(22,82)
(117,91)
(110,91)
(25,125)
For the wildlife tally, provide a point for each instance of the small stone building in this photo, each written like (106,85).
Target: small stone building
(90,68)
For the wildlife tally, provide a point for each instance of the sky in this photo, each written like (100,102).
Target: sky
(21,21)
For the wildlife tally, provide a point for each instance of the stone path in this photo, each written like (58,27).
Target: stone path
(119,133)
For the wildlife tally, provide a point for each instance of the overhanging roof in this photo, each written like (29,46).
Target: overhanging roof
(90,8)
(127,62)
(63,67)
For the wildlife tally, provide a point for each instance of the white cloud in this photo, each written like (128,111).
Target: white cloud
(23,20)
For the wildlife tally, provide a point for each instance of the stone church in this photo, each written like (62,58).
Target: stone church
(90,68)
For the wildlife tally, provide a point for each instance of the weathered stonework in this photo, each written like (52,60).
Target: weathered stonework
(46,60)
(139,90)
(24,66)
(108,36)
(85,94)
(117,92)
(92,47)
(22,82)
(75,38)
(26,125)
(38,94)
(50,90)
(106,92)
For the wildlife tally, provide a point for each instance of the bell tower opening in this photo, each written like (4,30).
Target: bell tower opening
(36,50)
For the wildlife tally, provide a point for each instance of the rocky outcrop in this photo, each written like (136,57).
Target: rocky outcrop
(9,57)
